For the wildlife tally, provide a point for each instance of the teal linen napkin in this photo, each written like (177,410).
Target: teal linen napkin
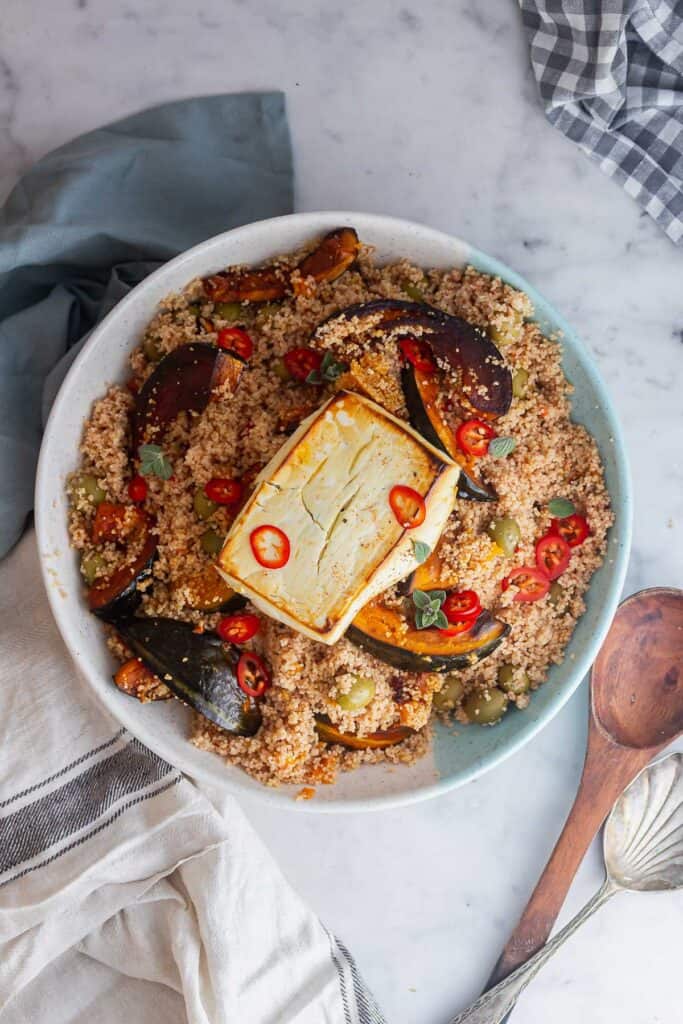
(93,218)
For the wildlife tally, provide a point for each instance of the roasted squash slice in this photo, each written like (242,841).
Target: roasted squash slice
(384,633)
(421,391)
(116,596)
(372,741)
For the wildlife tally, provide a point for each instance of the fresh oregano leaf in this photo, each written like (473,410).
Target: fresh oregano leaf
(421,551)
(501,447)
(428,607)
(440,621)
(330,369)
(560,508)
(153,462)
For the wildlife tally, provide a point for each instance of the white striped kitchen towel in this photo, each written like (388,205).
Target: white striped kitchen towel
(610,74)
(125,895)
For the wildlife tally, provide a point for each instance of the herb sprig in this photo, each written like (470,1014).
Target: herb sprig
(329,370)
(561,508)
(428,604)
(153,462)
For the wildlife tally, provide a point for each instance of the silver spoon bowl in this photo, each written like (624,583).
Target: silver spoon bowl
(643,851)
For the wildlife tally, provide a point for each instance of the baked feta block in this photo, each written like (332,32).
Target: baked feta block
(328,492)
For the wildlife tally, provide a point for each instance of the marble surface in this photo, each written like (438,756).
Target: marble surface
(428,112)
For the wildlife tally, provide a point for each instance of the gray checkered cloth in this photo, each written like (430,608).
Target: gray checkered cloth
(610,75)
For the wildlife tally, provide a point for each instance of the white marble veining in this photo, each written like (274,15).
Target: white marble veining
(428,112)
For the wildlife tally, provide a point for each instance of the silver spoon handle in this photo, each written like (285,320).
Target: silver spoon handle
(492,1006)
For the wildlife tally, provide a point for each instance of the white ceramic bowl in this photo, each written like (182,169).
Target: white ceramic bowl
(164,727)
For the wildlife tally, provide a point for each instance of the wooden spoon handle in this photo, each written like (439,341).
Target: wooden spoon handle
(608,769)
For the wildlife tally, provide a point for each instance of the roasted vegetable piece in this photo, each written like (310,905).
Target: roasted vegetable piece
(183,381)
(137,681)
(197,667)
(114,522)
(484,382)
(382,631)
(372,741)
(335,254)
(263,285)
(207,591)
(328,261)
(117,596)
(421,391)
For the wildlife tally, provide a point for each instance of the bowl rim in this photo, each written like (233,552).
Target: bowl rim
(320,220)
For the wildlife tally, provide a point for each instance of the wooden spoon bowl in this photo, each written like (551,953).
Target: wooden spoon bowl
(637,681)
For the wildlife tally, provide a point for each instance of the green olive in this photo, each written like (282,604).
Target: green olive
(194,308)
(359,696)
(486,708)
(211,542)
(230,311)
(281,371)
(449,695)
(507,334)
(93,566)
(88,487)
(520,379)
(412,291)
(203,506)
(556,593)
(152,349)
(513,679)
(505,532)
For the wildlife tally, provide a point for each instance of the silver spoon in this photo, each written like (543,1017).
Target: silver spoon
(643,850)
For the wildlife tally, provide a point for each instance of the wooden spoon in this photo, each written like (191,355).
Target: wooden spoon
(636,710)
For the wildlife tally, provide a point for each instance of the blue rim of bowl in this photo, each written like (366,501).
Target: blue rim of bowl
(603,616)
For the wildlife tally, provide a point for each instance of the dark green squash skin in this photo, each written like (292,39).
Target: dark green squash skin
(412,661)
(469,489)
(125,604)
(198,667)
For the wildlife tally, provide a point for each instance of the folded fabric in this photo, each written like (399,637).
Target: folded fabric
(125,893)
(610,75)
(94,217)
(121,885)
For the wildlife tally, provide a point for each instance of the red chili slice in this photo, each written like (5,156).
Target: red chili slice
(552,555)
(473,437)
(234,339)
(531,584)
(237,629)
(253,676)
(574,529)
(137,489)
(270,546)
(223,490)
(301,362)
(461,605)
(408,506)
(418,353)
